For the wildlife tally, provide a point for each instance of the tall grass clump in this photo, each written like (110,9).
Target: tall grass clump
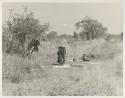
(15,68)
(102,49)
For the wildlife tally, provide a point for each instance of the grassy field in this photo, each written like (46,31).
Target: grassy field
(102,76)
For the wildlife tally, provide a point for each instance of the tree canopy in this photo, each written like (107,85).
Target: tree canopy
(91,28)
(23,28)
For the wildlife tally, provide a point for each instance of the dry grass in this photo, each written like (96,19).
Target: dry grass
(16,68)
(102,78)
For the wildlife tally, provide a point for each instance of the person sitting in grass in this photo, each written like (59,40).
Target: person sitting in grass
(84,58)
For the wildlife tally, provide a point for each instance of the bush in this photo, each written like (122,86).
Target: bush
(22,28)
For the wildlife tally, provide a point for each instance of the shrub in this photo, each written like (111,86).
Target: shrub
(22,28)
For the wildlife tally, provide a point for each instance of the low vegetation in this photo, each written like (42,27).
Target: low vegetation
(102,78)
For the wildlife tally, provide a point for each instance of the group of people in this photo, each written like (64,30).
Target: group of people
(33,47)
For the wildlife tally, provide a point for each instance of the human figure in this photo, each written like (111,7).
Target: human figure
(33,45)
(61,55)
(84,58)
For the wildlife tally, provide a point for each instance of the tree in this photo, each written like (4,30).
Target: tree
(52,35)
(91,28)
(23,28)
(83,35)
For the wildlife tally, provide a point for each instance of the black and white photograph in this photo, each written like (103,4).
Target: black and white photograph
(62,48)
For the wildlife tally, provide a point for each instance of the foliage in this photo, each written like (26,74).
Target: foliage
(23,28)
(91,28)
(52,35)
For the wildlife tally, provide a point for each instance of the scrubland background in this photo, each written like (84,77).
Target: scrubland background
(36,74)
(102,77)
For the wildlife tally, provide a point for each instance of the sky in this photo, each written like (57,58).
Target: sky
(63,16)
